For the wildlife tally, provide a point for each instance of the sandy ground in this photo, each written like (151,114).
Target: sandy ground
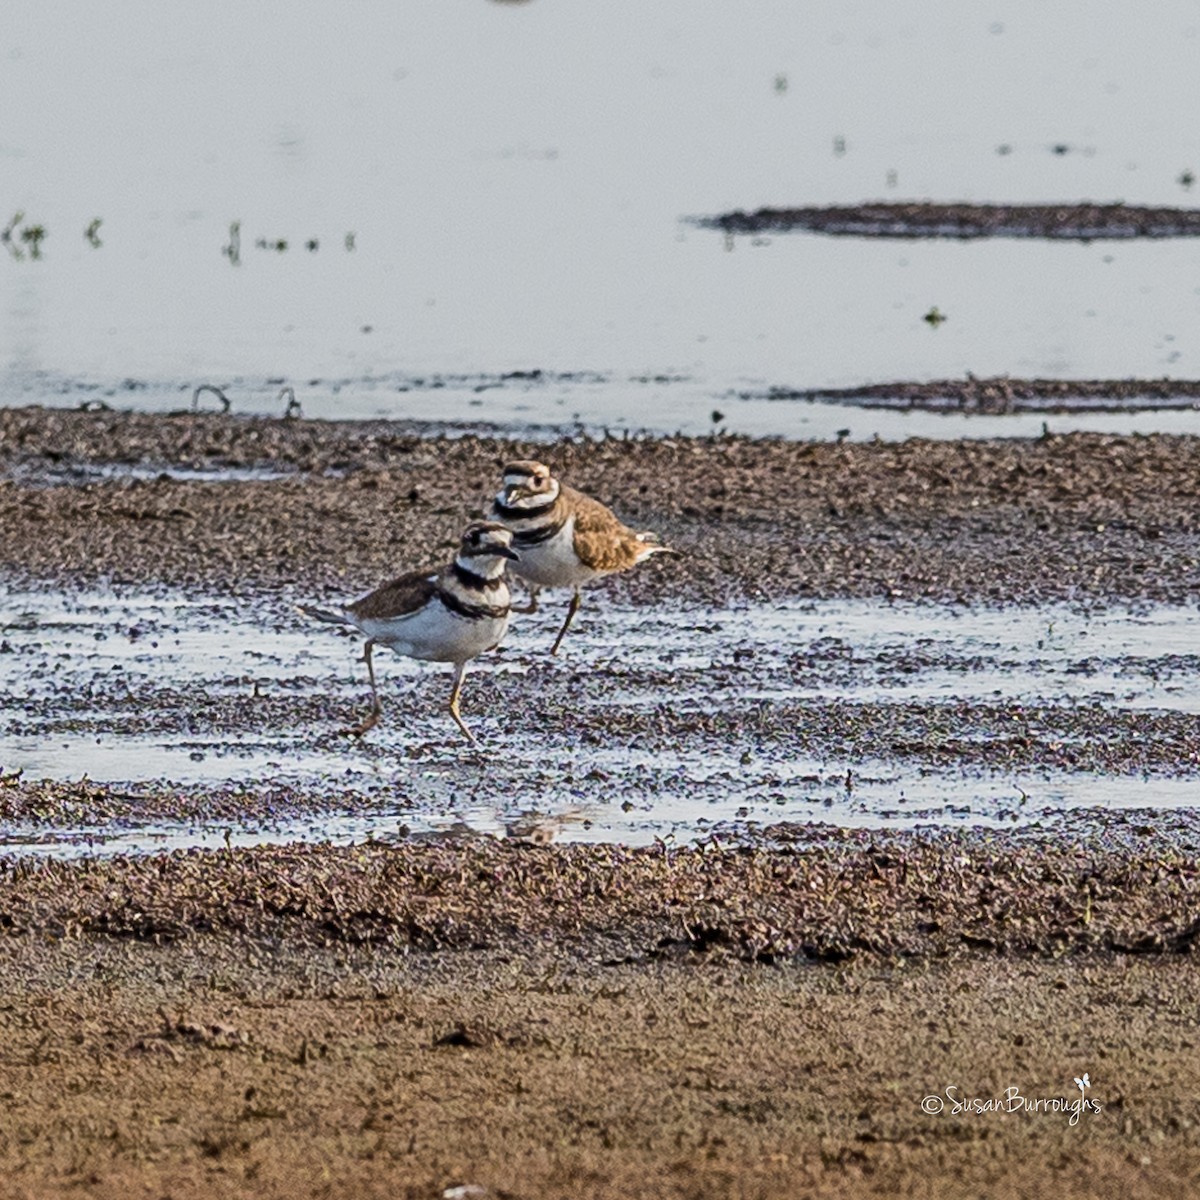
(592,1022)
(743,1020)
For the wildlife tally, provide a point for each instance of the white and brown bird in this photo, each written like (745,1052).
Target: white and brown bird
(452,615)
(564,538)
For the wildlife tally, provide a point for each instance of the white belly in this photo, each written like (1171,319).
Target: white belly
(435,634)
(553,563)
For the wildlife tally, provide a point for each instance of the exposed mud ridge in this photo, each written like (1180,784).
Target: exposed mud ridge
(827,899)
(570,710)
(1075,222)
(1001,394)
(141,1062)
(1074,517)
(84,802)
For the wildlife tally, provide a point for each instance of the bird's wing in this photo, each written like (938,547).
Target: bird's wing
(399,598)
(601,541)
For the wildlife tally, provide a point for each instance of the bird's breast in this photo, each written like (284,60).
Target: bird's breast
(552,562)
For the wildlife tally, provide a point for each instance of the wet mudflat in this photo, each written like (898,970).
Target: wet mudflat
(881,634)
(982,655)
(1078,518)
(1004,395)
(1076,222)
(146,723)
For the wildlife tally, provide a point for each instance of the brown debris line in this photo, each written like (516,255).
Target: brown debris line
(1078,222)
(848,895)
(1072,517)
(1001,394)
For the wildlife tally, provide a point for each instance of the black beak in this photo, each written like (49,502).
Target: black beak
(506,552)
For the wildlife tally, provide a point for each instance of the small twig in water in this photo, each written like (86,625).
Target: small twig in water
(216,391)
(233,251)
(6,235)
(34,235)
(293,405)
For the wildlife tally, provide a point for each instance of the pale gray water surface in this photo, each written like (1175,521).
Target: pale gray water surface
(515,177)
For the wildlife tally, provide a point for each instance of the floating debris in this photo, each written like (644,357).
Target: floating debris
(934,317)
(233,251)
(33,236)
(293,408)
(1080,222)
(6,235)
(92,233)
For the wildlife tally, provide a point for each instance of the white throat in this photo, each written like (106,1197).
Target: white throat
(541,500)
(487,566)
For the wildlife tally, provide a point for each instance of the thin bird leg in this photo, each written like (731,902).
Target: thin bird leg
(576,601)
(372,718)
(459,671)
(532,606)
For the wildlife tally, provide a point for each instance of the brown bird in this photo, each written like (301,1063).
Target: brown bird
(564,538)
(452,615)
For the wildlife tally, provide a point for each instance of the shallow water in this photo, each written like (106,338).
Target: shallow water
(515,178)
(63,660)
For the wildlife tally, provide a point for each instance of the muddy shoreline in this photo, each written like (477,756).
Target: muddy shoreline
(595,1022)
(759,1014)
(734,681)
(825,895)
(1078,518)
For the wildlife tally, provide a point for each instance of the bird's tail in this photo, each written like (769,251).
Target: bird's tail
(323,614)
(651,546)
